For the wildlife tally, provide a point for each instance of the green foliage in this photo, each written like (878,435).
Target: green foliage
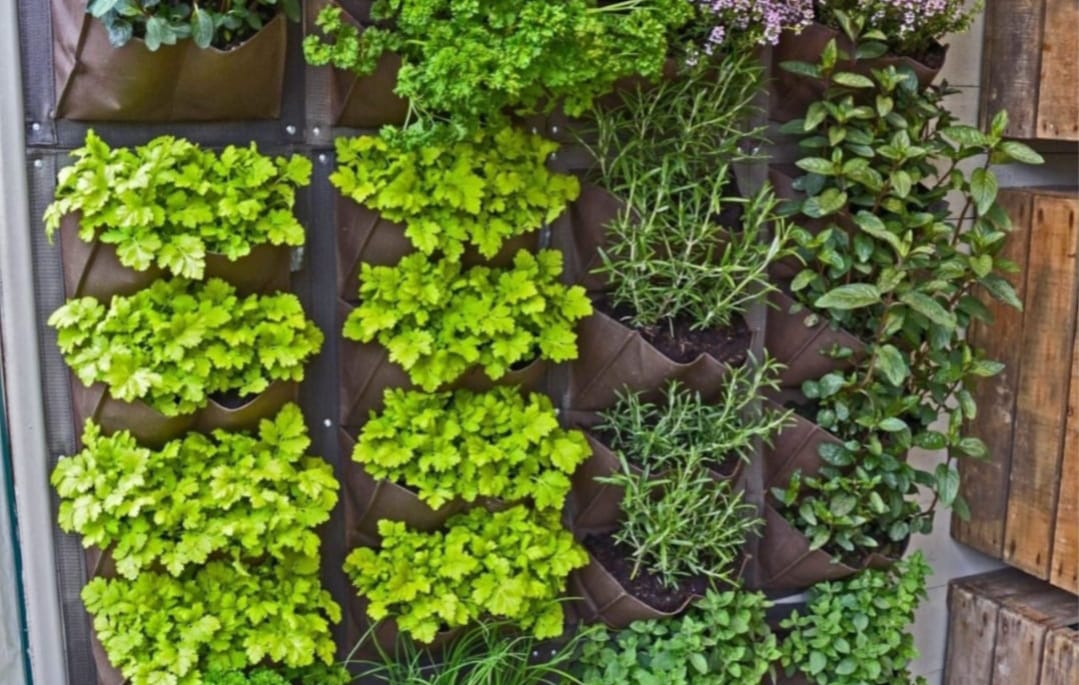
(465,445)
(479,191)
(245,496)
(439,320)
(171,203)
(177,342)
(854,631)
(655,434)
(722,640)
(510,564)
(897,266)
(488,653)
(318,674)
(474,60)
(668,152)
(161,630)
(909,27)
(217,23)
(847,515)
(680,522)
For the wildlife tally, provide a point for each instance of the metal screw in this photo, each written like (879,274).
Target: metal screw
(38,164)
(35,126)
(290,129)
(554,129)
(317,131)
(327,423)
(322,158)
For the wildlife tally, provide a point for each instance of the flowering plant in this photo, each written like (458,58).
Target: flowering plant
(755,21)
(910,25)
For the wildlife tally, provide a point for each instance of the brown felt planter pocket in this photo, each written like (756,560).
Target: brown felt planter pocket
(364,236)
(791,94)
(247,416)
(795,448)
(579,235)
(803,348)
(362,101)
(149,426)
(372,500)
(613,358)
(385,633)
(366,373)
(266,269)
(782,178)
(97,82)
(603,598)
(786,562)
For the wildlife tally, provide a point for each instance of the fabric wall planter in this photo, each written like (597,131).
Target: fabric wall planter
(385,633)
(246,415)
(579,232)
(791,94)
(364,236)
(371,500)
(362,101)
(94,270)
(605,599)
(97,82)
(803,348)
(796,448)
(614,358)
(366,373)
(782,177)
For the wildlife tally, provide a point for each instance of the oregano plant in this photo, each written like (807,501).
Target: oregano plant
(178,342)
(216,23)
(319,674)
(451,194)
(171,202)
(222,616)
(439,319)
(509,564)
(229,495)
(464,445)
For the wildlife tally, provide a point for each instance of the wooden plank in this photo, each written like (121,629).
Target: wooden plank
(1060,660)
(1000,585)
(1011,63)
(1058,102)
(1019,647)
(1043,388)
(984,483)
(972,632)
(1065,568)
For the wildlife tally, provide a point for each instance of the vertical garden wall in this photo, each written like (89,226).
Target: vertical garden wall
(432,329)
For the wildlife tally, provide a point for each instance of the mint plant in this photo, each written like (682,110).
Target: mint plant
(170,202)
(230,495)
(723,639)
(178,342)
(217,23)
(856,630)
(438,319)
(675,252)
(908,276)
(218,617)
(465,445)
(655,434)
(477,191)
(474,61)
(509,565)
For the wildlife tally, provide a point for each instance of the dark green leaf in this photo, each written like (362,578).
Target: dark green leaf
(853,296)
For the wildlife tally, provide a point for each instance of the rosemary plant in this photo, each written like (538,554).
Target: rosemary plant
(679,250)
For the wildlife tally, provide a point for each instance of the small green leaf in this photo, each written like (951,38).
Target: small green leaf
(983,188)
(846,78)
(853,296)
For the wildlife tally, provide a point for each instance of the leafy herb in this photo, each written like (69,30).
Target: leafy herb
(472,61)
(480,191)
(246,496)
(681,522)
(217,23)
(907,26)
(655,434)
(722,640)
(177,342)
(438,320)
(464,445)
(170,202)
(319,674)
(895,268)
(510,564)
(488,653)
(673,252)
(219,617)
(855,631)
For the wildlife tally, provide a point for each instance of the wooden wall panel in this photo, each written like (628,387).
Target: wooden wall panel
(1060,661)
(1058,98)
(1065,567)
(985,483)
(1042,397)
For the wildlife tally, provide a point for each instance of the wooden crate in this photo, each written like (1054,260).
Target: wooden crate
(1030,67)
(1007,628)
(1023,499)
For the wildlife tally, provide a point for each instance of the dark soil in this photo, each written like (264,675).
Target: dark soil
(725,467)
(729,345)
(645,587)
(231,400)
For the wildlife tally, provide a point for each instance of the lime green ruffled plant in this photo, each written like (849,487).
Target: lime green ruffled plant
(465,445)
